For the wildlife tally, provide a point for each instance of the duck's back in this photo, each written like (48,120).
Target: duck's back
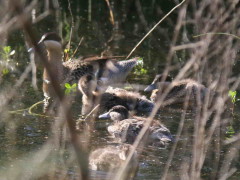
(76,68)
(131,100)
(126,130)
(111,157)
(179,91)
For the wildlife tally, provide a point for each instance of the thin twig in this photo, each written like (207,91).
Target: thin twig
(154,28)
(110,12)
(72,24)
(80,42)
(92,111)
(41,16)
(7,97)
(187,46)
(217,33)
(179,132)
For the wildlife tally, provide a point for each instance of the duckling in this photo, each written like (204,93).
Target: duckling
(179,91)
(103,68)
(111,97)
(110,158)
(127,129)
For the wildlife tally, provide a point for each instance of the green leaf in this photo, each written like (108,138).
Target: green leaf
(230,131)
(68,86)
(5,71)
(143,71)
(74,85)
(6,49)
(232,95)
(67,91)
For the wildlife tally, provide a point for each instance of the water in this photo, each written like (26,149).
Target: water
(24,136)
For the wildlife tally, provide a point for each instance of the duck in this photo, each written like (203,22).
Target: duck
(125,129)
(111,97)
(181,89)
(107,69)
(111,158)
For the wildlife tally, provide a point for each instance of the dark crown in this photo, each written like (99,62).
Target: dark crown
(168,78)
(51,36)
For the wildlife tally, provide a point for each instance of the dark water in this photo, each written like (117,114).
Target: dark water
(22,134)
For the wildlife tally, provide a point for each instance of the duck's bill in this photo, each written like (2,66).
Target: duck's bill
(32,50)
(104,116)
(150,88)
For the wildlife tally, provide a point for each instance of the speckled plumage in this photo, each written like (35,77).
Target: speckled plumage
(110,158)
(76,68)
(127,129)
(105,69)
(133,101)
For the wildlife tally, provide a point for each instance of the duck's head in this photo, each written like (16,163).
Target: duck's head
(161,136)
(117,113)
(50,45)
(51,41)
(158,78)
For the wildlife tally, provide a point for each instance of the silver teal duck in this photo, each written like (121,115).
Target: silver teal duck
(106,69)
(125,129)
(179,91)
(111,157)
(133,101)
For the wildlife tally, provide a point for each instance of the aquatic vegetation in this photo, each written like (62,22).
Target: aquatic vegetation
(70,88)
(6,63)
(232,95)
(139,69)
(230,131)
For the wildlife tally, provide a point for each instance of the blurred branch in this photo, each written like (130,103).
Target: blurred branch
(6,97)
(12,23)
(34,71)
(217,33)
(41,16)
(179,132)
(80,42)
(72,24)
(110,12)
(65,107)
(141,15)
(188,46)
